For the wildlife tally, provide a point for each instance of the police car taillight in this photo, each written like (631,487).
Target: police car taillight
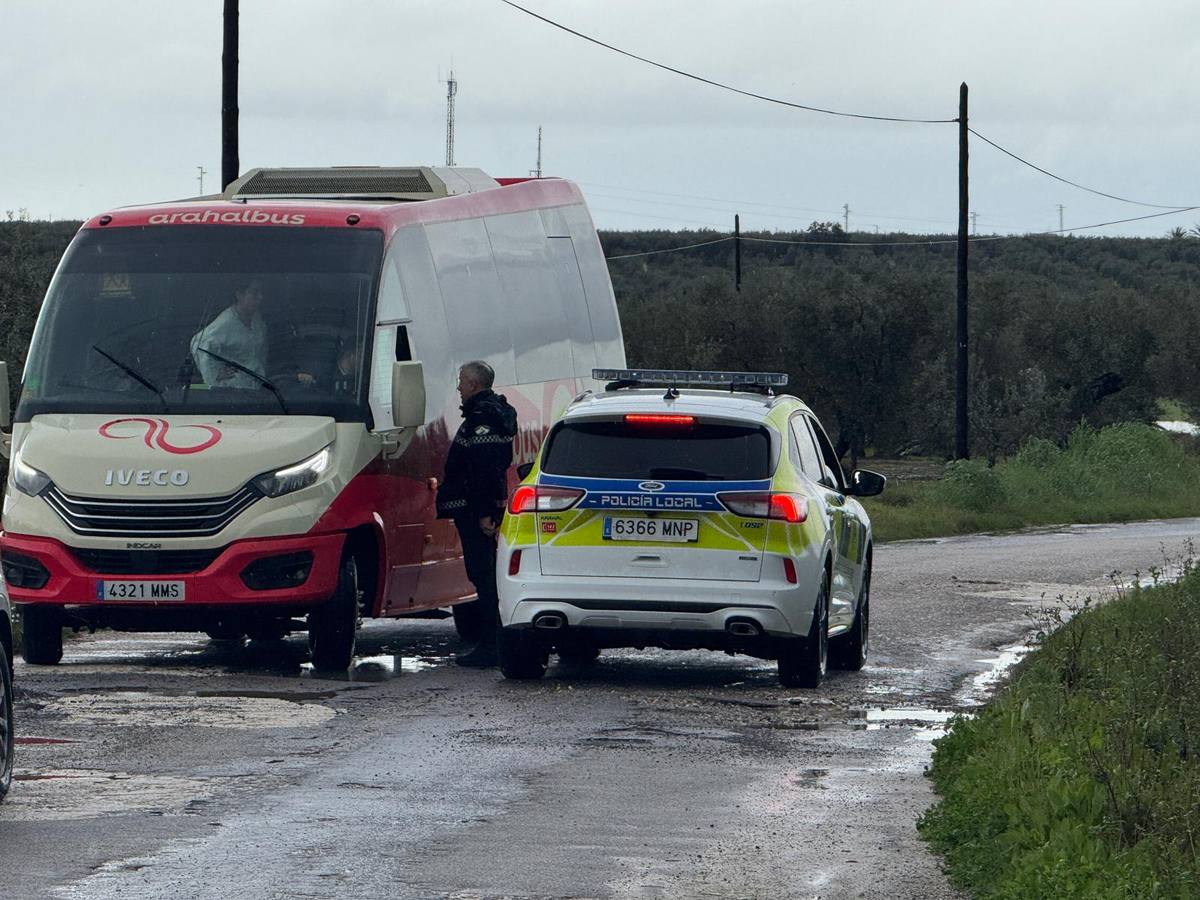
(764,505)
(542,498)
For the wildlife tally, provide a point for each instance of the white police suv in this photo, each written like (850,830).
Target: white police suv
(687,510)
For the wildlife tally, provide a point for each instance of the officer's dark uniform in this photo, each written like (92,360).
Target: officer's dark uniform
(475,486)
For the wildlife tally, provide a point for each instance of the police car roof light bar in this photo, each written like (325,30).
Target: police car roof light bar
(752,381)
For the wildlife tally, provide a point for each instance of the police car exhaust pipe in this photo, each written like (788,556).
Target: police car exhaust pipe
(550,621)
(743,628)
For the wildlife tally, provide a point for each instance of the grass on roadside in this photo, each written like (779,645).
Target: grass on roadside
(1115,474)
(1081,779)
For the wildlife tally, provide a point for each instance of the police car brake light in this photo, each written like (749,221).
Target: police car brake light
(765,505)
(659,419)
(542,498)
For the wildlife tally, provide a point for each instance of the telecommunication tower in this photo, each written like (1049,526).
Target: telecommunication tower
(451,90)
(537,173)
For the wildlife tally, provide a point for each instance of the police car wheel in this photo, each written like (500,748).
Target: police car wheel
(802,664)
(332,626)
(850,651)
(522,657)
(468,621)
(7,737)
(41,636)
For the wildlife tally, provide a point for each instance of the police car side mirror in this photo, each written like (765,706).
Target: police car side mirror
(866,484)
(408,394)
(524,469)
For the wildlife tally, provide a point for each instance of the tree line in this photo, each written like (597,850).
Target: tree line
(1063,329)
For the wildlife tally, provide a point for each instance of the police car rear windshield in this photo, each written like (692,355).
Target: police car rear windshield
(700,452)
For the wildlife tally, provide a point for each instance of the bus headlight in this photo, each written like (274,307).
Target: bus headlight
(293,478)
(27,479)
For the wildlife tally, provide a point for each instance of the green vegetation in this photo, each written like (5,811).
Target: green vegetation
(1113,474)
(1081,779)
(1063,330)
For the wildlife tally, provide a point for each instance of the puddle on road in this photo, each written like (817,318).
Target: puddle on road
(145,709)
(62,794)
(926,723)
(377,668)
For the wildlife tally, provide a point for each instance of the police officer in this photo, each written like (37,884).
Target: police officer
(474,491)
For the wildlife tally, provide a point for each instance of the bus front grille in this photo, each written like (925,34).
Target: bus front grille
(197,517)
(145,562)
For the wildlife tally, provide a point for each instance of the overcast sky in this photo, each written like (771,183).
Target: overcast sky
(111,103)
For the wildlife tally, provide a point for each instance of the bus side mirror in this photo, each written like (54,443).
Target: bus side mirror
(5,418)
(408,394)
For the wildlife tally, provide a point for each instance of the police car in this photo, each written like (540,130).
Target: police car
(687,510)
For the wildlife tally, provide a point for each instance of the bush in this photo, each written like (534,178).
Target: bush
(971,485)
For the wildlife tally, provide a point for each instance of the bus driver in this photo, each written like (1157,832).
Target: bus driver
(238,334)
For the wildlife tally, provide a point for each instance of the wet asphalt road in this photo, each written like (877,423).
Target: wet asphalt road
(169,766)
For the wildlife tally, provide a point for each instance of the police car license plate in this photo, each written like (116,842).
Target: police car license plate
(619,528)
(140,590)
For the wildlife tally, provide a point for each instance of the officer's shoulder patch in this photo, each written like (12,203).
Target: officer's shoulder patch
(483,429)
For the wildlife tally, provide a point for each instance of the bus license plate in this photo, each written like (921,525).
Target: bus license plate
(631,529)
(139,590)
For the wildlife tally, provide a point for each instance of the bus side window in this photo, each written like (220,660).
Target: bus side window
(403,350)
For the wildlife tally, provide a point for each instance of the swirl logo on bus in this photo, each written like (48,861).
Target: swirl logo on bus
(154,433)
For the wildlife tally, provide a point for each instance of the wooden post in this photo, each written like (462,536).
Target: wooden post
(229,97)
(962,445)
(737,252)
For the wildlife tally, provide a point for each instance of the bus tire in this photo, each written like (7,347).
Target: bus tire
(468,621)
(332,626)
(41,636)
(7,737)
(522,658)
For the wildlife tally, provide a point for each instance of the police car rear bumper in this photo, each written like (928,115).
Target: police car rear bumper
(670,605)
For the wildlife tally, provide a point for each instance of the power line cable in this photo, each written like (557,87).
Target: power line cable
(1074,184)
(718,84)
(672,249)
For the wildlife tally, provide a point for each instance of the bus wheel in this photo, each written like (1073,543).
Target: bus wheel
(41,636)
(7,739)
(468,621)
(522,657)
(332,626)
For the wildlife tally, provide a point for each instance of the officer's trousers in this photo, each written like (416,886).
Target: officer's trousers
(479,556)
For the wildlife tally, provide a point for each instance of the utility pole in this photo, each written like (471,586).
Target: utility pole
(961,441)
(846,217)
(451,90)
(201,178)
(537,173)
(737,252)
(229,97)
(1060,219)
(974,229)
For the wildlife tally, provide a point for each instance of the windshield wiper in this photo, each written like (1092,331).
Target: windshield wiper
(263,381)
(132,373)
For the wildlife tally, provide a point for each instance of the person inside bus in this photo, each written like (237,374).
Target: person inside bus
(342,379)
(238,334)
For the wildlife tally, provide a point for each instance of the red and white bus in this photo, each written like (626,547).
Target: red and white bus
(235,410)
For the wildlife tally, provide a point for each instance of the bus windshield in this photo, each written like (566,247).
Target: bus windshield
(207,319)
